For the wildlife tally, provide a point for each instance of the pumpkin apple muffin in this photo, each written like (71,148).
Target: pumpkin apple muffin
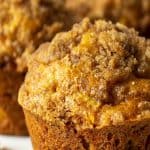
(89,90)
(133,13)
(24,25)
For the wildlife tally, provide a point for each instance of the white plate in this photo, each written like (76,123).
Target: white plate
(15,143)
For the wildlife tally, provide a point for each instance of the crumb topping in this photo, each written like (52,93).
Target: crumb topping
(94,75)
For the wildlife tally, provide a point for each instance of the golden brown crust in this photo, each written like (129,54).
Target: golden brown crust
(129,136)
(93,75)
(11,115)
(133,13)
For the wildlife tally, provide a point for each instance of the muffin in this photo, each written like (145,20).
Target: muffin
(89,90)
(11,114)
(24,25)
(133,13)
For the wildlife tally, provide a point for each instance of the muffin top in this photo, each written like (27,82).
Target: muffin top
(94,75)
(133,13)
(24,25)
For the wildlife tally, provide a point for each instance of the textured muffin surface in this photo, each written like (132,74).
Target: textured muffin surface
(94,75)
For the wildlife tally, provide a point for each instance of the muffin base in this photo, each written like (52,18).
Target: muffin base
(12,120)
(129,136)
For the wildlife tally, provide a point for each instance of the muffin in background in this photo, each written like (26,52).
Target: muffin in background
(11,114)
(132,13)
(24,25)
(89,89)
